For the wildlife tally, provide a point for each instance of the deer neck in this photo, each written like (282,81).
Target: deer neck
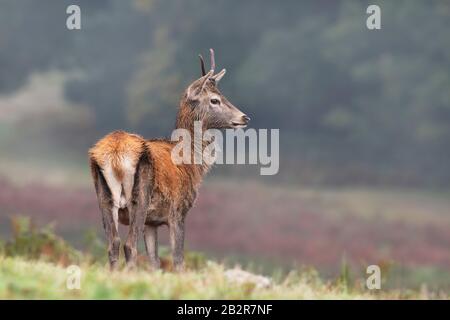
(198,145)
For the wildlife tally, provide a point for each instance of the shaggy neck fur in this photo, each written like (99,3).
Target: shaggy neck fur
(186,117)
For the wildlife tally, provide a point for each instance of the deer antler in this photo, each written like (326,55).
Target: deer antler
(213,62)
(202,64)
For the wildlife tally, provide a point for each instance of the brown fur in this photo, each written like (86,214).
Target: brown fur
(163,192)
(115,146)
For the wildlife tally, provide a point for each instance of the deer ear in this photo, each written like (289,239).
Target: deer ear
(198,85)
(219,76)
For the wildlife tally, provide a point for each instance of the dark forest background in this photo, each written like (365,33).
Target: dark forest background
(352,105)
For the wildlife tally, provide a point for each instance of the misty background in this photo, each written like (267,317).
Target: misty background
(364,119)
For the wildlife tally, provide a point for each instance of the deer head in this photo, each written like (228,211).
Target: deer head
(202,101)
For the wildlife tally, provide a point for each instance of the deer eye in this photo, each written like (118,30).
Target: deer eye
(215,101)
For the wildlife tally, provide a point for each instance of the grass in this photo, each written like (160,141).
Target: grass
(25,279)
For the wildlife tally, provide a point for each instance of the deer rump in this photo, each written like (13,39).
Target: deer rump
(121,176)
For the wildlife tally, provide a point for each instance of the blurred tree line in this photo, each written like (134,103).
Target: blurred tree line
(359,105)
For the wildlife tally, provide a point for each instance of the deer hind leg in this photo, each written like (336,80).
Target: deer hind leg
(109,212)
(137,207)
(151,245)
(116,192)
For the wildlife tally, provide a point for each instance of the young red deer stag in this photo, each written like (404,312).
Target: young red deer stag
(139,185)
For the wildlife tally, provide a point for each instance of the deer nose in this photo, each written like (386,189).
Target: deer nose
(246,118)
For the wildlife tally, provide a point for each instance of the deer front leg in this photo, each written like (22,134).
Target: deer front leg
(176,233)
(151,245)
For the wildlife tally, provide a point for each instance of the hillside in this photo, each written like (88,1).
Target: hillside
(35,263)
(276,227)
